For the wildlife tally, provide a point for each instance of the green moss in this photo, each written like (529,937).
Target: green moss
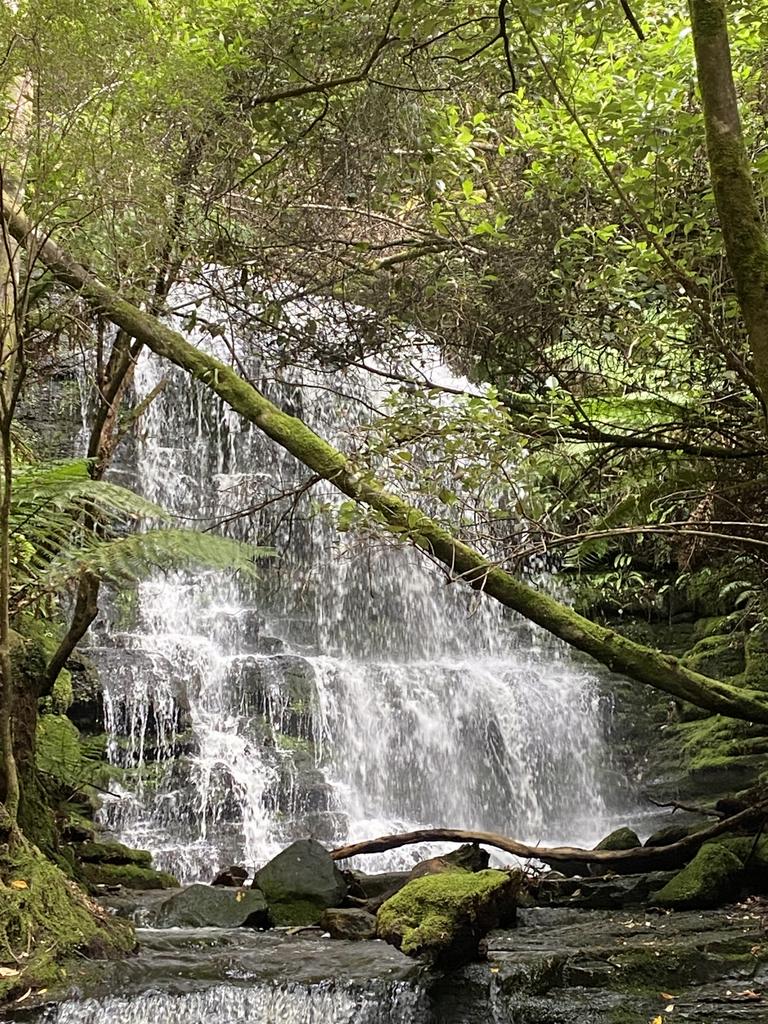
(131,876)
(58,749)
(296,912)
(719,657)
(426,912)
(620,839)
(712,625)
(756,661)
(113,853)
(46,919)
(709,879)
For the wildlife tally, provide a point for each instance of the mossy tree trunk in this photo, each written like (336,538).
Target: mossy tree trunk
(464,564)
(746,243)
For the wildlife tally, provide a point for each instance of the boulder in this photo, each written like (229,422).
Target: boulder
(711,878)
(384,883)
(672,834)
(470,857)
(620,839)
(300,883)
(442,918)
(112,853)
(203,906)
(233,877)
(344,923)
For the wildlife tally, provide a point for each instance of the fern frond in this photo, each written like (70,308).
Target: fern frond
(127,559)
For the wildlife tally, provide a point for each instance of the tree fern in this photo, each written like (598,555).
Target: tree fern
(64,524)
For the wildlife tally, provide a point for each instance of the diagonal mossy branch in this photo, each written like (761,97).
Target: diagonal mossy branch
(641,663)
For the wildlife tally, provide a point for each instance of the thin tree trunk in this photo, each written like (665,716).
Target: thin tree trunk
(464,564)
(746,242)
(12,170)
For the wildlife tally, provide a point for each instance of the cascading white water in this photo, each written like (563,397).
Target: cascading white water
(347,694)
(288,1004)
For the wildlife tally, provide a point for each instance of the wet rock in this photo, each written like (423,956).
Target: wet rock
(130,876)
(370,886)
(281,688)
(601,892)
(711,878)
(327,827)
(300,883)
(442,918)
(112,853)
(203,906)
(470,857)
(233,877)
(620,839)
(344,923)
(87,707)
(672,834)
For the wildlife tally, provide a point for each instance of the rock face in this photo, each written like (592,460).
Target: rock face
(343,923)
(711,878)
(442,918)
(201,906)
(300,883)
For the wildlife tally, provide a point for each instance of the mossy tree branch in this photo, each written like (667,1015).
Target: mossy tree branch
(744,234)
(619,654)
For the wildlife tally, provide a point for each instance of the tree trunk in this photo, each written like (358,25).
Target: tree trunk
(17,107)
(619,654)
(746,243)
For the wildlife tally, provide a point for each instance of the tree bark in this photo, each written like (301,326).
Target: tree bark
(643,664)
(17,106)
(744,235)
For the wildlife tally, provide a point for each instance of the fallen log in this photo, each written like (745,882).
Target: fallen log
(640,858)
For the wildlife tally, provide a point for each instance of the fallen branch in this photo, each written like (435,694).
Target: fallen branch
(690,808)
(641,857)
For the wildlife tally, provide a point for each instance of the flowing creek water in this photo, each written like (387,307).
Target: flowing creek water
(345,694)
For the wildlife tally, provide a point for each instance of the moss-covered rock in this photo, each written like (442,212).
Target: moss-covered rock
(131,876)
(756,659)
(300,883)
(620,839)
(113,853)
(441,918)
(718,656)
(709,879)
(349,923)
(45,919)
(203,906)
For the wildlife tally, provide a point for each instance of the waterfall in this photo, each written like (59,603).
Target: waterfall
(348,691)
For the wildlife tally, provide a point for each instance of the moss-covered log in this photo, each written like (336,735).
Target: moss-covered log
(464,564)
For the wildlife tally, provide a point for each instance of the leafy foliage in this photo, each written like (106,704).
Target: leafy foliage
(64,524)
